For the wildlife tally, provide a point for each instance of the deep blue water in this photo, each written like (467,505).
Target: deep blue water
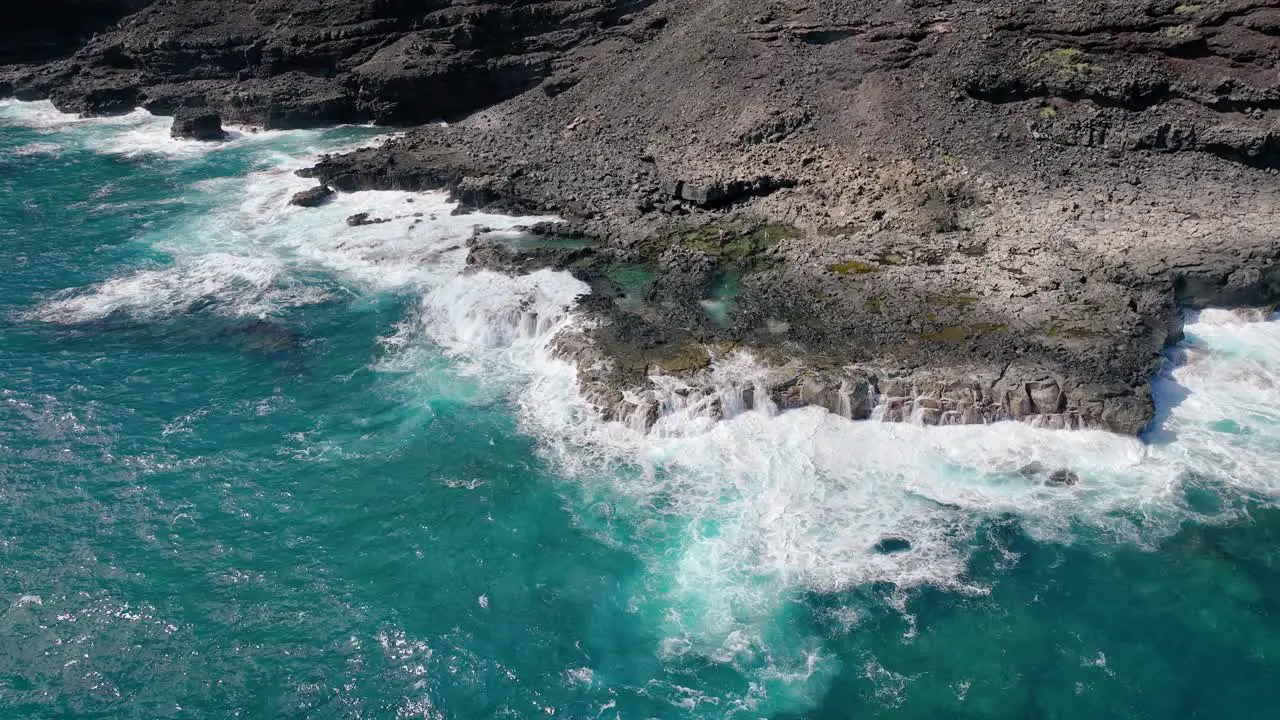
(257,463)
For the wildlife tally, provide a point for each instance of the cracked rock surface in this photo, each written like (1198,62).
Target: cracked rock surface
(945,211)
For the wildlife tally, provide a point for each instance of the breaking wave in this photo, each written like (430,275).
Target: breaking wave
(735,520)
(138,133)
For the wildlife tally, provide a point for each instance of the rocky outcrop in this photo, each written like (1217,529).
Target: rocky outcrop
(298,63)
(312,197)
(966,211)
(36,32)
(364,218)
(198,125)
(721,380)
(721,193)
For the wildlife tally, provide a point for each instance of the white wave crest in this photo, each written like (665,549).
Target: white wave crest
(737,519)
(228,285)
(254,254)
(490,311)
(139,133)
(36,149)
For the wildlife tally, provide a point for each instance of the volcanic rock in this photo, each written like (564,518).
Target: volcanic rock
(312,197)
(365,219)
(942,212)
(198,125)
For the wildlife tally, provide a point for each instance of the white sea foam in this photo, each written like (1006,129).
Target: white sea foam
(135,133)
(37,148)
(139,133)
(255,255)
(766,505)
(228,284)
(418,247)
(735,519)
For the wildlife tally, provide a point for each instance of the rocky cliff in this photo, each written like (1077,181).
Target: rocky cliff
(290,63)
(944,210)
(37,32)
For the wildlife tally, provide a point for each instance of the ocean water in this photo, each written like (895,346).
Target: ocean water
(257,463)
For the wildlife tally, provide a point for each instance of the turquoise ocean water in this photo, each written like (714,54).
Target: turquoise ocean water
(257,463)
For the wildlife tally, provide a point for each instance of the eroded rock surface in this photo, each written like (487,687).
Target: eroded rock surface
(198,125)
(299,63)
(312,197)
(942,211)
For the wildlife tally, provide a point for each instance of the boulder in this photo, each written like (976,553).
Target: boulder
(312,197)
(97,100)
(1062,477)
(198,125)
(721,193)
(1046,397)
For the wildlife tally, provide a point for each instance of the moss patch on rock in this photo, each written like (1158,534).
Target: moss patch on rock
(952,300)
(686,358)
(740,246)
(1068,61)
(853,267)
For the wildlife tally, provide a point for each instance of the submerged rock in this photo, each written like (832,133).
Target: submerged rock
(263,336)
(312,197)
(364,219)
(891,545)
(1061,477)
(198,125)
(1032,469)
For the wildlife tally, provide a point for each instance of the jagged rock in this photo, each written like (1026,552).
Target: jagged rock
(312,197)
(1135,173)
(719,193)
(300,62)
(33,32)
(364,219)
(1062,477)
(1046,397)
(496,256)
(558,229)
(685,274)
(104,100)
(198,125)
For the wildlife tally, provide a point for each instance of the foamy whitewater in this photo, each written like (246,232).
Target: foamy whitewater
(780,564)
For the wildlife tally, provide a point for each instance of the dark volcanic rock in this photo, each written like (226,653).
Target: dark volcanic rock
(721,193)
(951,211)
(198,125)
(1062,476)
(295,63)
(33,32)
(312,197)
(364,219)
(990,212)
(105,100)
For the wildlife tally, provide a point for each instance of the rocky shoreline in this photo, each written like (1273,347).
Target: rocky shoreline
(946,212)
